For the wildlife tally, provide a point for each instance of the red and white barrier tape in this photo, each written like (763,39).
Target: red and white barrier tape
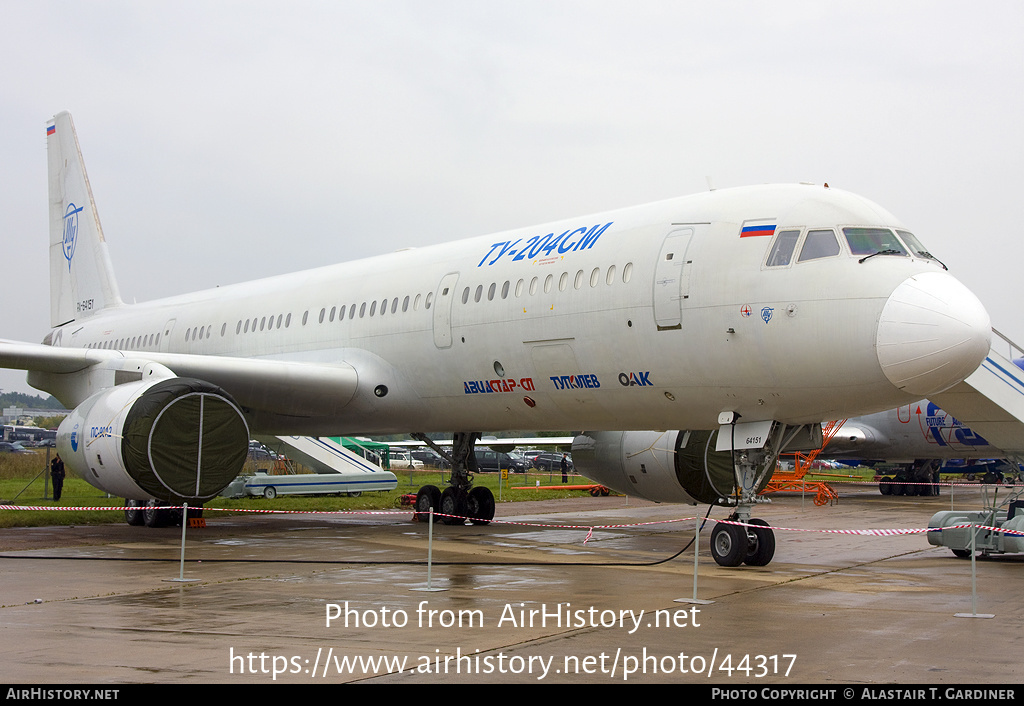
(589,528)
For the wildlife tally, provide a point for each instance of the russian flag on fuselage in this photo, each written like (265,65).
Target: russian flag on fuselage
(751,229)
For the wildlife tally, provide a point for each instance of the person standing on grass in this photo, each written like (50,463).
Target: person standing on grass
(57,475)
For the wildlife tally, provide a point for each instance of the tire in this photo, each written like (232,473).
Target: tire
(270,492)
(729,544)
(962,553)
(990,478)
(595,492)
(454,503)
(761,548)
(429,496)
(133,514)
(885,486)
(481,506)
(153,517)
(355,493)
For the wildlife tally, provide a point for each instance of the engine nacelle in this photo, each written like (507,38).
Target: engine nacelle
(172,439)
(663,466)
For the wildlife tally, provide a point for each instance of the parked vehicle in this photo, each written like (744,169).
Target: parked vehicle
(402,459)
(271,486)
(430,458)
(493,461)
(550,462)
(259,452)
(14,433)
(13,447)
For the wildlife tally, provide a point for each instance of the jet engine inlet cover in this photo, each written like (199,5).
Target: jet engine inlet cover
(184,436)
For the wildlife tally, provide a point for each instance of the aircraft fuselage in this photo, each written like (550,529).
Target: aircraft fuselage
(654,317)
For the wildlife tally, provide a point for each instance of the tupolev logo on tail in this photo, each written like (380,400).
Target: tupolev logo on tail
(70,231)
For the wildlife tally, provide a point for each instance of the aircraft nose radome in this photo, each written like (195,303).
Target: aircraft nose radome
(932,333)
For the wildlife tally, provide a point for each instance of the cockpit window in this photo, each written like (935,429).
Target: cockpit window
(818,244)
(871,241)
(782,251)
(914,244)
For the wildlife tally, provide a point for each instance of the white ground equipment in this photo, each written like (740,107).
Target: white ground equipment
(959,526)
(338,471)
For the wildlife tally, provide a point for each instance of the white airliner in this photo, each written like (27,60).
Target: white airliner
(763,309)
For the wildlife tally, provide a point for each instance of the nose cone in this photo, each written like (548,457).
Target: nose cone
(932,333)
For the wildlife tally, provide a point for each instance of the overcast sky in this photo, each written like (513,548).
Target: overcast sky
(227,141)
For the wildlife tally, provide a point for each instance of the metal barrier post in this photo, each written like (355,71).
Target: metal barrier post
(430,555)
(974,582)
(181,564)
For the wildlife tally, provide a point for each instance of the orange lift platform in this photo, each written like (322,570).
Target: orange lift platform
(793,481)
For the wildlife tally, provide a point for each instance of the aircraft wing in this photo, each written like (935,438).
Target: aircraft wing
(286,387)
(507,445)
(504,445)
(35,356)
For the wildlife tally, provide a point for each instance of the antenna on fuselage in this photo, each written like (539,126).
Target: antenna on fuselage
(711,187)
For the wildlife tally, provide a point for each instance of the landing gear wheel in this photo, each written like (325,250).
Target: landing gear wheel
(962,553)
(355,493)
(729,544)
(990,478)
(885,486)
(133,513)
(480,506)
(270,492)
(761,544)
(152,517)
(428,497)
(454,503)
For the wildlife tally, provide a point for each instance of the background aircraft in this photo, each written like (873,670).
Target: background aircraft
(920,439)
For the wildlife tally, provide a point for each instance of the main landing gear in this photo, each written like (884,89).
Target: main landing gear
(920,479)
(147,512)
(460,499)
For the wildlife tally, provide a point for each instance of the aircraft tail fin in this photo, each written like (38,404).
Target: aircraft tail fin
(81,277)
